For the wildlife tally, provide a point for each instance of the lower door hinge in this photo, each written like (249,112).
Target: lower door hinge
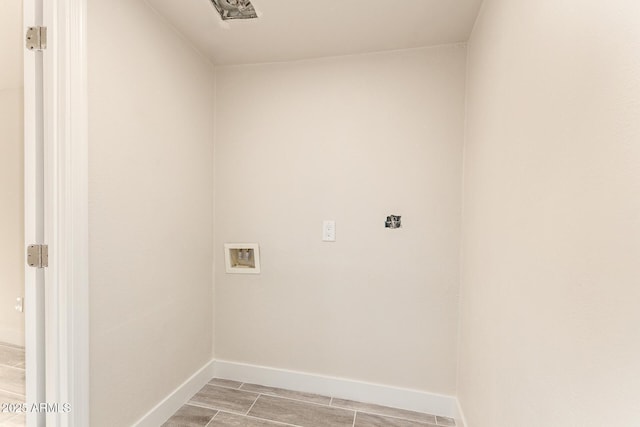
(38,256)
(36,38)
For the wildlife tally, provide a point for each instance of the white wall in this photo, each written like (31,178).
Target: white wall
(11,172)
(151,209)
(550,295)
(352,139)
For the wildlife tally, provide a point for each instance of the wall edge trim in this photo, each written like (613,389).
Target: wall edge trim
(413,400)
(461,420)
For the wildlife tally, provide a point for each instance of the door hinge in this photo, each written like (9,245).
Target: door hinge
(36,38)
(38,256)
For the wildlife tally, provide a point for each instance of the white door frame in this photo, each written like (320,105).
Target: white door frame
(33,217)
(65,209)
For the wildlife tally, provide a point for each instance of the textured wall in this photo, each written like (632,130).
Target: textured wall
(151,209)
(550,295)
(352,139)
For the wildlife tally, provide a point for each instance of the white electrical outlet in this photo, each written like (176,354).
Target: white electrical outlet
(19,305)
(328,231)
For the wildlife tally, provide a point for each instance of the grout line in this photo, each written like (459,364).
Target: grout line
(300,401)
(198,406)
(294,400)
(413,420)
(278,396)
(448,418)
(252,417)
(273,390)
(15,363)
(230,388)
(212,418)
(397,417)
(366,411)
(273,393)
(251,407)
(13,393)
(13,367)
(326,405)
(271,421)
(224,386)
(329,405)
(11,346)
(204,406)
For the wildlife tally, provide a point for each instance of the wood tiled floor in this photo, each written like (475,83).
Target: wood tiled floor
(225,403)
(11,383)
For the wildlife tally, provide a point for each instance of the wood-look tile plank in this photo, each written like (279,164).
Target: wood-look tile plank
(300,413)
(280,392)
(223,398)
(370,420)
(6,416)
(384,410)
(191,416)
(8,398)
(225,383)
(12,380)
(6,344)
(11,356)
(17,420)
(445,421)
(224,419)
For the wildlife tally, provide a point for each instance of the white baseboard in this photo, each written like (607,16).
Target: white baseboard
(413,400)
(165,409)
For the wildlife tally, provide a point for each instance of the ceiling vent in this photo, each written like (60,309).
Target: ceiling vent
(235,9)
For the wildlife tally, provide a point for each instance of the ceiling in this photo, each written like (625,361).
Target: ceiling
(299,29)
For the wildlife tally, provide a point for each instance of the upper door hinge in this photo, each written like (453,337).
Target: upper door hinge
(38,256)
(36,38)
